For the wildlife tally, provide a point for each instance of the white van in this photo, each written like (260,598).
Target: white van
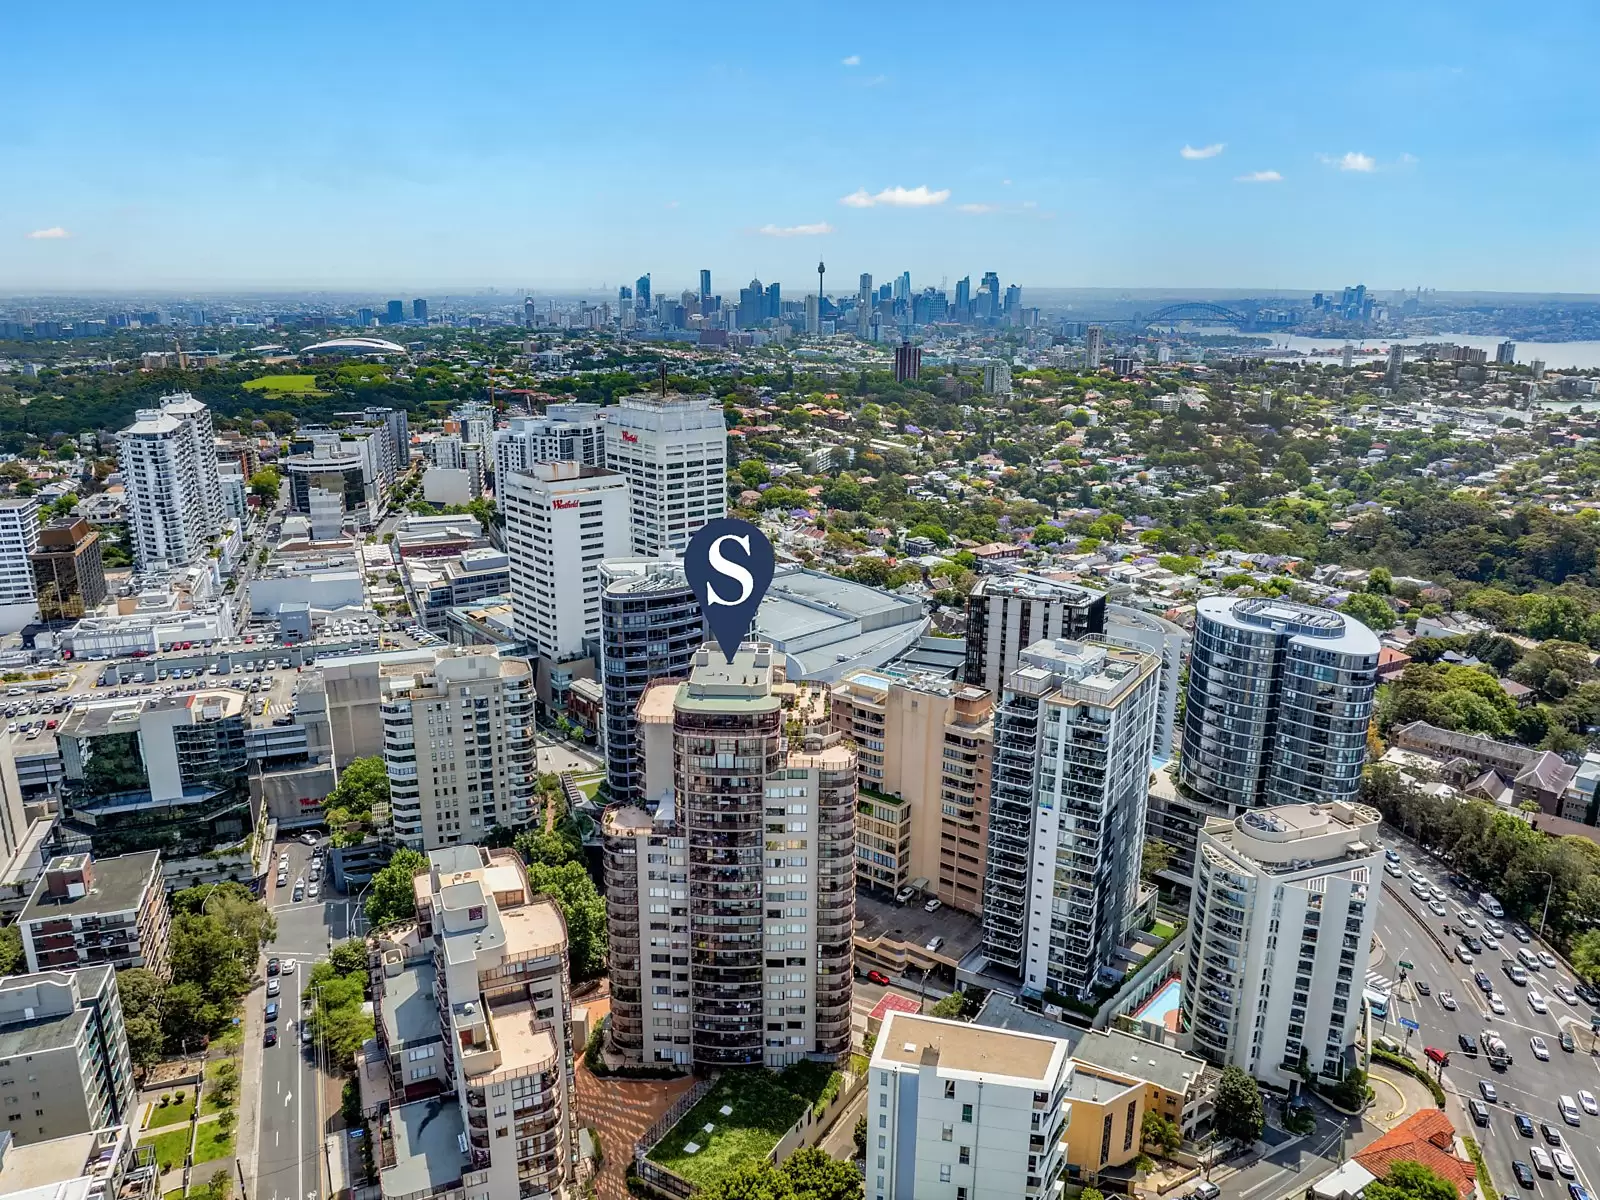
(1490,905)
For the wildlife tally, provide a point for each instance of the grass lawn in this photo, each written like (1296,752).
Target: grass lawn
(211,1104)
(171,1114)
(303,385)
(174,1194)
(590,786)
(210,1142)
(1162,930)
(763,1110)
(170,1147)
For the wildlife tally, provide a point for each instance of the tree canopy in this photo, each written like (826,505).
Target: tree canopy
(390,895)
(584,909)
(1239,1111)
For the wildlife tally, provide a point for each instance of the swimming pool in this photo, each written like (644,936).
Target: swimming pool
(1162,1005)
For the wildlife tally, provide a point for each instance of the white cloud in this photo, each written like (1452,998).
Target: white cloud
(977,208)
(1005,183)
(1211,151)
(853,60)
(1353,161)
(54,233)
(896,197)
(1408,160)
(785,231)
(672,204)
(1259,177)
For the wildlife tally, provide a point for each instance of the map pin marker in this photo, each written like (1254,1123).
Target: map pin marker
(729,563)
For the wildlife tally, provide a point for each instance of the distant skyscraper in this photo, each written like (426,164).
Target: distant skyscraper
(705,289)
(991,284)
(907,362)
(1397,362)
(624,299)
(529,316)
(641,292)
(813,314)
(866,283)
(1013,301)
(1347,356)
(774,304)
(1537,367)
(1094,345)
(964,298)
(397,312)
(902,286)
(1505,353)
(419,311)
(752,305)
(364,317)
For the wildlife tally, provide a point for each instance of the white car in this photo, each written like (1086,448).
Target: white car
(1590,1105)
(1392,869)
(1540,1050)
(1490,942)
(1466,918)
(1564,1164)
(314,889)
(1569,1110)
(1547,959)
(1437,908)
(1417,876)
(1464,955)
(1537,1002)
(287,967)
(1566,993)
(1496,1005)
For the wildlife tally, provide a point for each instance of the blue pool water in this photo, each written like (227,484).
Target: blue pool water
(1162,1004)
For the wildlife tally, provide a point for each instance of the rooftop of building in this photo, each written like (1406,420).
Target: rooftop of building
(743,685)
(626,820)
(933,655)
(526,1043)
(426,1137)
(535,927)
(1109,1049)
(151,422)
(1329,630)
(354,345)
(410,1012)
(924,682)
(1089,671)
(1295,836)
(1096,1086)
(1028,586)
(950,1047)
(63,1168)
(39,1034)
(656,704)
(122,715)
(912,925)
(118,884)
(1426,1137)
(644,576)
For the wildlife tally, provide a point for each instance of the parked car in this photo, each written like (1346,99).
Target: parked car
(1586,1098)
(877,977)
(270,1038)
(272,966)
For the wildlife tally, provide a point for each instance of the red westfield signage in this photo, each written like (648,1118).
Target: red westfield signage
(563,504)
(629,437)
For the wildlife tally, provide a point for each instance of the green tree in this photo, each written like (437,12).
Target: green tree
(861,1136)
(1159,1134)
(13,961)
(390,896)
(1239,1111)
(1380,582)
(1090,1193)
(1371,610)
(348,808)
(1155,857)
(143,993)
(1584,954)
(753,473)
(584,909)
(934,533)
(1411,1181)
(951,1007)
(264,483)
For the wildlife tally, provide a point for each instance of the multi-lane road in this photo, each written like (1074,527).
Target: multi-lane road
(1528,1085)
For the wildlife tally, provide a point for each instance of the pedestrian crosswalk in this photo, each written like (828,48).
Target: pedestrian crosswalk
(1380,983)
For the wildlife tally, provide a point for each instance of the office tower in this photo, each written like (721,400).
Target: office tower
(172,492)
(924,746)
(335,480)
(1347,356)
(419,311)
(1094,347)
(87,912)
(562,520)
(624,299)
(1505,354)
(565,433)
(1397,362)
(466,712)
(650,627)
(865,290)
(902,286)
(966,1111)
(63,1038)
(396,313)
(813,314)
(69,578)
(530,313)
(471,1009)
(445,452)
(1279,699)
(774,302)
(1008,613)
(397,427)
(705,290)
(1013,307)
(1281,916)
(641,293)
(1123,363)
(19,539)
(748,935)
(1141,630)
(1536,368)
(907,362)
(1067,811)
(991,284)
(673,449)
(364,318)
(996,378)
(752,308)
(964,298)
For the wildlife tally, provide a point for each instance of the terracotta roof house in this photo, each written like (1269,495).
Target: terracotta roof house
(1425,1137)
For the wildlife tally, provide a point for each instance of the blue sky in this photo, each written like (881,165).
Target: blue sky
(1454,145)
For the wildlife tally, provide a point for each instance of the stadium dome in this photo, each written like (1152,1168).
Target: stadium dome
(354,346)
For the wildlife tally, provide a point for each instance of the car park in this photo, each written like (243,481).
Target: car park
(933,905)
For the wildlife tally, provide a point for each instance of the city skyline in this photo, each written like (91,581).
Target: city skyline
(1215,163)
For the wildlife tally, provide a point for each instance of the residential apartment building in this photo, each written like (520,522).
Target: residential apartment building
(172,494)
(458,746)
(1280,695)
(472,1009)
(563,520)
(1067,814)
(966,1112)
(650,628)
(673,450)
(564,433)
(1008,613)
(86,912)
(1146,631)
(100,1164)
(19,539)
(924,746)
(64,1063)
(738,895)
(1281,914)
(69,575)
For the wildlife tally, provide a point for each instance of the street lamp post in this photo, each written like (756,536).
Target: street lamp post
(1548,888)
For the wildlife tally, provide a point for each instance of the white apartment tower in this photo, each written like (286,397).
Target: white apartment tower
(1067,808)
(565,433)
(173,491)
(563,520)
(732,909)
(673,449)
(965,1112)
(19,539)
(1281,914)
(458,746)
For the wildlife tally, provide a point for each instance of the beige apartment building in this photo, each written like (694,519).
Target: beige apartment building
(731,907)
(924,746)
(473,1086)
(86,911)
(64,1063)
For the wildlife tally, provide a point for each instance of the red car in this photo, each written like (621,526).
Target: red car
(877,977)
